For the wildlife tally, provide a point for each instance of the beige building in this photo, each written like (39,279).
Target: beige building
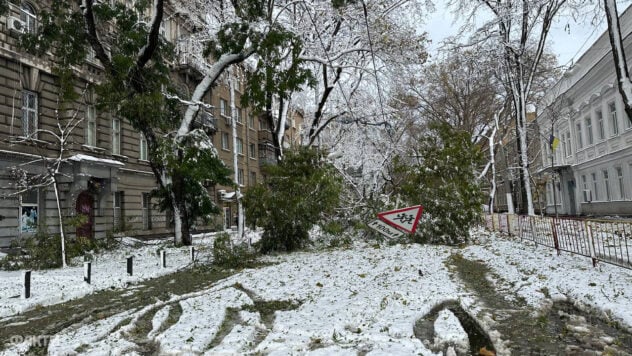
(591,168)
(106,176)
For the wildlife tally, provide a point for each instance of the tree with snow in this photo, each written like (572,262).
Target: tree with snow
(52,174)
(520,29)
(137,82)
(439,172)
(297,193)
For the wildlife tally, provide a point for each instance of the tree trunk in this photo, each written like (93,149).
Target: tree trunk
(624,84)
(61,224)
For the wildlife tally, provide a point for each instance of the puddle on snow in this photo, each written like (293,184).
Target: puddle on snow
(478,338)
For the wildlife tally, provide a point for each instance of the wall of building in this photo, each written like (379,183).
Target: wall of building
(595,134)
(107,176)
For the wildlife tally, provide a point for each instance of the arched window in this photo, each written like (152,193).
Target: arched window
(28,16)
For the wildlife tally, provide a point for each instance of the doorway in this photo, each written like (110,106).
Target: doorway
(85,206)
(571,197)
(227,217)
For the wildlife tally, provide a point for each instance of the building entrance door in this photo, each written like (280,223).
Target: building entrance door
(571,197)
(227,218)
(85,206)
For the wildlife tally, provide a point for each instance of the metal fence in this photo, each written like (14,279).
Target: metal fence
(609,241)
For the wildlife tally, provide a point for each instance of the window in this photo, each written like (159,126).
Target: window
(263,125)
(238,114)
(240,176)
(595,187)
(564,145)
(613,118)
(225,145)
(118,209)
(580,142)
(143,152)
(146,208)
(253,151)
(253,178)
(585,185)
(620,182)
(223,107)
(91,126)
(606,183)
(602,129)
(29,114)
(29,211)
(568,144)
(240,146)
(589,134)
(251,121)
(116,136)
(29,17)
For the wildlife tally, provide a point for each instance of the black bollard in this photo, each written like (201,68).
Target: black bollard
(26,293)
(130,267)
(163,259)
(87,272)
(192,252)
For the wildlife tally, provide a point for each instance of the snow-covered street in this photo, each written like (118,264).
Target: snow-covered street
(366,299)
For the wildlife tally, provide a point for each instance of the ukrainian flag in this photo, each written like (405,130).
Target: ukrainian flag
(554,142)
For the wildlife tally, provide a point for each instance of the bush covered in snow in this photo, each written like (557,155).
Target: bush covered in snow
(42,250)
(442,177)
(296,194)
(230,255)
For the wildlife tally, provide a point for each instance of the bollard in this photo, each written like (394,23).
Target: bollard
(26,276)
(163,259)
(130,267)
(192,252)
(87,272)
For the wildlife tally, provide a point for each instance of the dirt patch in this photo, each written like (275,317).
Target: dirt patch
(557,330)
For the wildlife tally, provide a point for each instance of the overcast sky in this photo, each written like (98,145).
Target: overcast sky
(568,42)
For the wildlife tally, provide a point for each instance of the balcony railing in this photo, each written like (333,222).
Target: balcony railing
(189,55)
(206,121)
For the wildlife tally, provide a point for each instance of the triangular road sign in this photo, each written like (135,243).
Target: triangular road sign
(405,219)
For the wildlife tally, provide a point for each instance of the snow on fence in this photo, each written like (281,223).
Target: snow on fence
(608,241)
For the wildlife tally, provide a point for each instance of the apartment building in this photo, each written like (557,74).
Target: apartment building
(106,176)
(507,161)
(590,170)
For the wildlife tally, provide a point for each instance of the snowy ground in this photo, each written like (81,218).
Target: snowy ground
(342,301)
(108,270)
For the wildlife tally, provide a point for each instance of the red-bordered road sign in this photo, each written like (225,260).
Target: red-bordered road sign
(405,219)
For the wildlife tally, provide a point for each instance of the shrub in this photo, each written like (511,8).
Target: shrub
(42,250)
(443,179)
(228,256)
(296,194)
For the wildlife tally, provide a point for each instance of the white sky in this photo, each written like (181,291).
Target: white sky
(569,43)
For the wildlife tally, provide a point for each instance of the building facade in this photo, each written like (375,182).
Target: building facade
(106,175)
(589,169)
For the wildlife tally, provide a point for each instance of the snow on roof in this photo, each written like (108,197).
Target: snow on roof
(91,159)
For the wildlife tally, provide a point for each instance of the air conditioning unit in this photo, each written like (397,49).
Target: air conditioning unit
(16,25)
(587,195)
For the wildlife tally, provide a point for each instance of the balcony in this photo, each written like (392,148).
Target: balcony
(265,136)
(206,121)
(189,58)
